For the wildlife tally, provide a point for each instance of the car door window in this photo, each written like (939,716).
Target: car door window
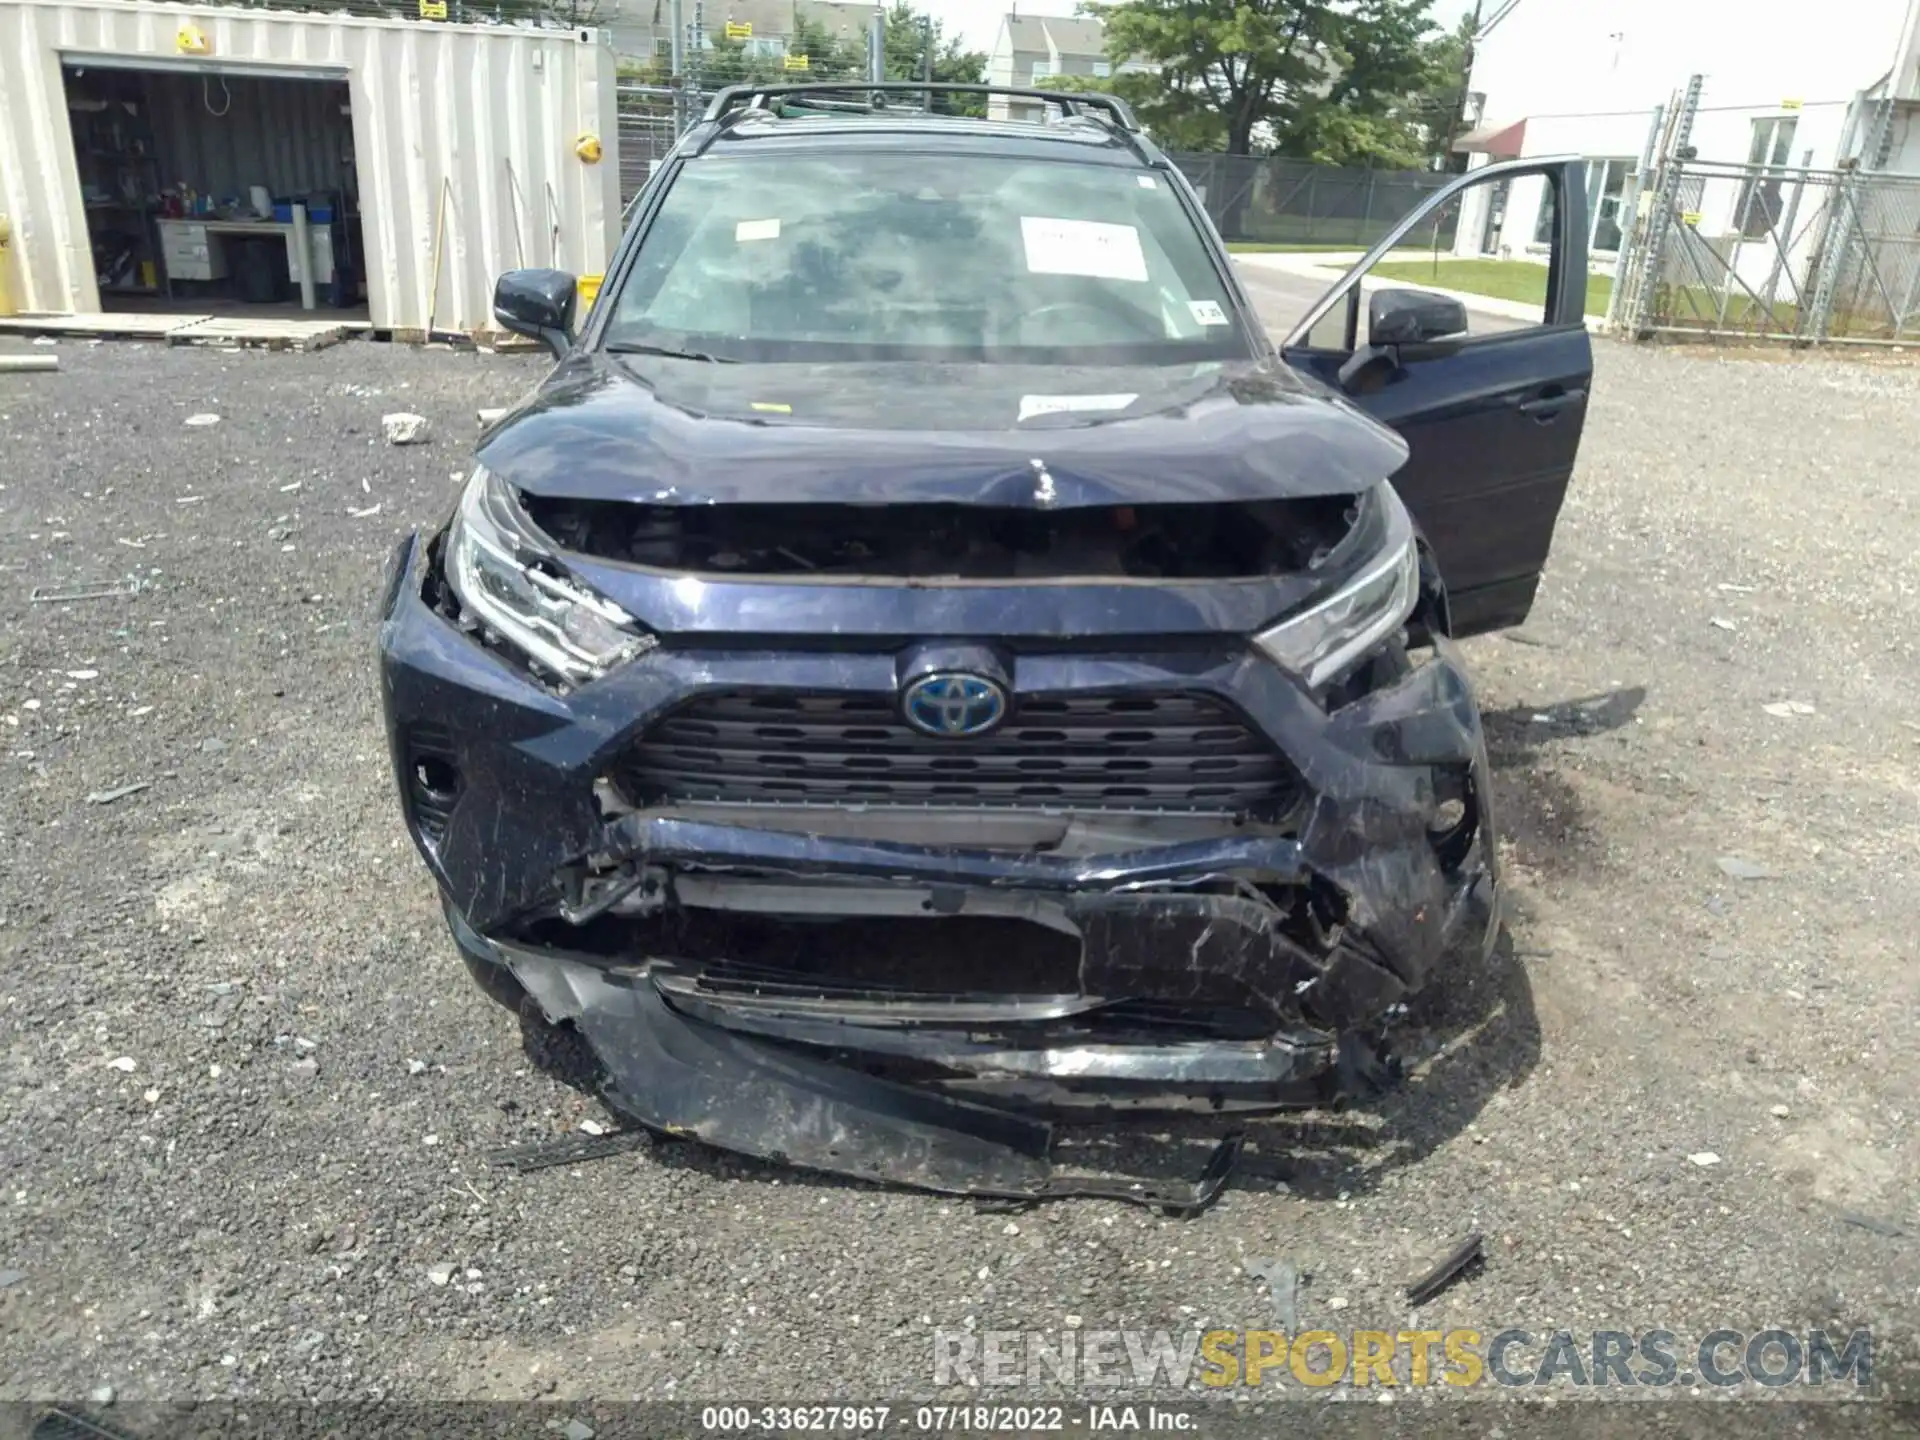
(1449,247)
(1488,390)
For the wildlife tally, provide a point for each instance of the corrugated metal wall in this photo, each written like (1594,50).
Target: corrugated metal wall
(465,133)
(222,133)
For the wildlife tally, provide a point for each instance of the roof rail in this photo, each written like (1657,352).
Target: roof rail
(1072,102)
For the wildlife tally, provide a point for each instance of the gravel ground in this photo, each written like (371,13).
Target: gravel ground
(246,1090)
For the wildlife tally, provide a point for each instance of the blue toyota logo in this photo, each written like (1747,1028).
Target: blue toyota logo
(954,705)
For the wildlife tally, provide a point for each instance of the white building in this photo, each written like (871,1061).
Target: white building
(1781,88)
(1031,50)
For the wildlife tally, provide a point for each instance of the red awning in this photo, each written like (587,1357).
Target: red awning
(1502,142)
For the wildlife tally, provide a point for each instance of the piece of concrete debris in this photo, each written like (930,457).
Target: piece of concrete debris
(489,414)
(305,1070)
(440,1274)
(125,1064)
(206,417)
(1779,1112)
(1787,709)
(1703,1158)
(592,1127)
(416,1067)
(1735,868)
(1720,622)
(403,427)
(107,797)
(571,1429)
(101,1395)
(1465,1256)
(1283,1289)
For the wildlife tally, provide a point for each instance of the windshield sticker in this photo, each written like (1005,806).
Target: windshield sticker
(1032,405)
(1083,247)
(772,407)
(1207,312)
(1145,182)
(756,230)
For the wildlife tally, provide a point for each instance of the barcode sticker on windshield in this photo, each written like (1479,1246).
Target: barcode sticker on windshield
(1083,247)
(756,230)
(1207,312)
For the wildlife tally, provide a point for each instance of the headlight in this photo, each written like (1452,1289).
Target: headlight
(504,571)
(1323,640)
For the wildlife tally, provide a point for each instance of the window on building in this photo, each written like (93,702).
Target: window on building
(1102,69)
(768,47)
(1606,188)
(1043,69)
(1607,184)
(1543,221)
(1759,208)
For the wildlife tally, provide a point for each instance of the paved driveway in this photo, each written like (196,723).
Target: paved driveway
(1281,294)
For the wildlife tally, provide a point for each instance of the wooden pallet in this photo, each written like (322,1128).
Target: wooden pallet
(228,331)
(140,326)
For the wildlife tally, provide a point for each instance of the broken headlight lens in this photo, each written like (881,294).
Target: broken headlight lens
(1321,641)
(503,570)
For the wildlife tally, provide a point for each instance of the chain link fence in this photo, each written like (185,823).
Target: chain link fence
(1276,201)
(1770,251)
(1776,253)
(1258,199)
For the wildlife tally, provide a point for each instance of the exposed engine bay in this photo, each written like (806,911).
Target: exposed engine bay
(962,542)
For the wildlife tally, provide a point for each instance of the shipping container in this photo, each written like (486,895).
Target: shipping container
(452,151)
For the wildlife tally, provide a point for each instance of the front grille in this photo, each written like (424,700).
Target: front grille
(1109,752)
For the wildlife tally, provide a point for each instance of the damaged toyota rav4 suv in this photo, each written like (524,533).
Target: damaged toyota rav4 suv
(925,665)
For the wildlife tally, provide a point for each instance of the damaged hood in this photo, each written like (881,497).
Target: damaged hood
(663,431)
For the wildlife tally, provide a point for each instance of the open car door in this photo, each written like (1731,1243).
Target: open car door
(1491,408)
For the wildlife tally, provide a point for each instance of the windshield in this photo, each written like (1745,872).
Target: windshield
(864,256)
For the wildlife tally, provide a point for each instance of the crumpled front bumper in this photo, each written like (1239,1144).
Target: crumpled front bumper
(951,1090)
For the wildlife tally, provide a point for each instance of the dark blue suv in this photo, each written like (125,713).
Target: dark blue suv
(924,664)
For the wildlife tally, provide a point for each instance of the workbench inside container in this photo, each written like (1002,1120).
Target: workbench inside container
(215,189)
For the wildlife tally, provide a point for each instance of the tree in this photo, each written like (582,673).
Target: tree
(1442,101)
(1326,80)
(911,37)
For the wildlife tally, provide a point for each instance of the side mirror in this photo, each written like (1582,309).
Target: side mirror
(1413,317)
(538,304)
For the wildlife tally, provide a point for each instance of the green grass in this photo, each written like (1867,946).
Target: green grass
(1263,247)
(1502,279)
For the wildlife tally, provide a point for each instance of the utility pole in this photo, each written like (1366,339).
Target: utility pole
(1459,110)
(679,80)
(877,46)
(926,62)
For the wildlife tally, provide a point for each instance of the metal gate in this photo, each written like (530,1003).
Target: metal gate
(1771,251)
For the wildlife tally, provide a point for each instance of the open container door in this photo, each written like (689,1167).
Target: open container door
(1491,408)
